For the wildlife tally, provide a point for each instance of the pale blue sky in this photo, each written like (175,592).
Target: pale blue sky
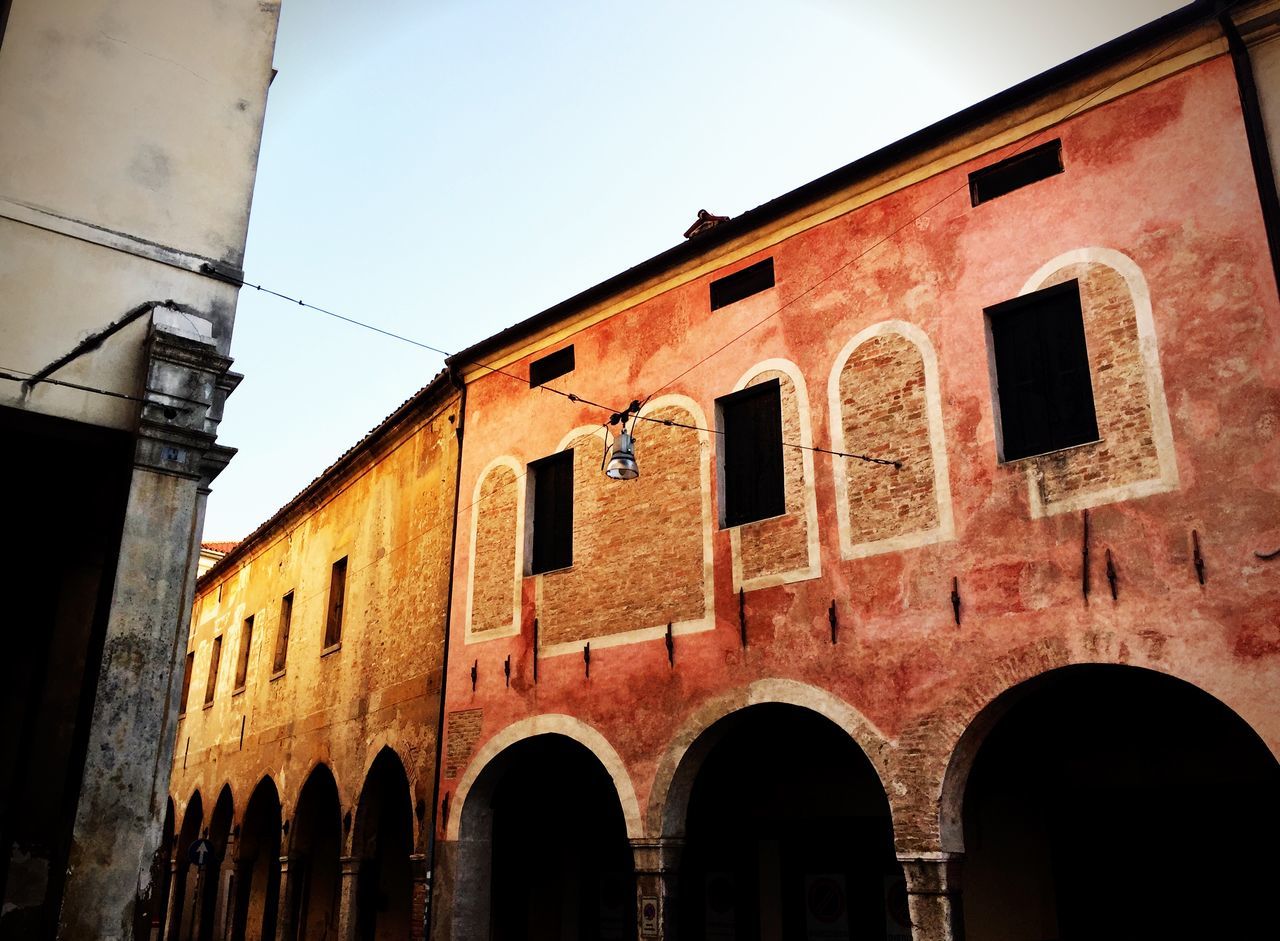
(445,168)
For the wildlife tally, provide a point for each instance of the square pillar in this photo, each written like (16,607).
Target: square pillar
(657,863)
(284,908)
(347,893)
(933,895)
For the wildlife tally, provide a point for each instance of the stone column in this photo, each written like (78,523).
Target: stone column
(657,869)
(284,907)
(419,905)
(119,814)
(166,927)
(347,890)
(933,895)
(226,890)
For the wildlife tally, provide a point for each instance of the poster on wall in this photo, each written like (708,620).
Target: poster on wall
(826,907)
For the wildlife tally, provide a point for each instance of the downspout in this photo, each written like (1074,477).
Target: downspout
(429,914)
(1256,135)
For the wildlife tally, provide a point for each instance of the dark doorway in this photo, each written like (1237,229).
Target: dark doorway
(183,908)
(210,876)
(562,866)
(315,845)
(384,840)
(257,893)
(788,836)
(1112,802)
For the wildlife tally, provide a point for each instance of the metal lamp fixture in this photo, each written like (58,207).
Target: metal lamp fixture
(622,465)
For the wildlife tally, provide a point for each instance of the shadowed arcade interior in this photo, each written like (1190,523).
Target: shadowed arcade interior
(788,835)
(1113,802)
(383,843)
(257,889)
(314,847)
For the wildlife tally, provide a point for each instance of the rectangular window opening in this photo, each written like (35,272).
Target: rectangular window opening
(1015,172)
(337,598)
(742,284)
(753,487)
(215,659)
(552,521)
(242,662)
(282,633)
(1043,385)
(552,366)
(186,681)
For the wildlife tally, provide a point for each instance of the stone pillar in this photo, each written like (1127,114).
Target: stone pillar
(226,890)
(657,869)
(933,895)
(347,891)
(284,907)
(119,814)
(419,907)
(166,927)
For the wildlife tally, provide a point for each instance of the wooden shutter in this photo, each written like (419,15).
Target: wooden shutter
(753,468)
(552,512)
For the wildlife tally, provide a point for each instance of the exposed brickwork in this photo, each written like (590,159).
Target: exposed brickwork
(1126,452)
(781,544)
(882,395)
(461,734)
(495,556)
(637,545)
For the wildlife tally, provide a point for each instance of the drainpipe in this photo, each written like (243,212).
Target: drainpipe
(461,386)
(1256,134)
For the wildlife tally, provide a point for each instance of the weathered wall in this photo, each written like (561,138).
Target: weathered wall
(1180,310)
(389,512)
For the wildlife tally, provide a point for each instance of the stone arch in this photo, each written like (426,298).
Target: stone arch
(289,800)
(548,724)
(678,767)
(492,540)
(681,576)
(924,456)
(382,841)
(1140,478)
(793,536)
(255,904)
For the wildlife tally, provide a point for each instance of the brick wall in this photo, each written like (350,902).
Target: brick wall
(637,545)
(781,544)
(883,409)
(493,588)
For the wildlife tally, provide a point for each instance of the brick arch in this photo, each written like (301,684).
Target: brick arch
(931,764)
(916,439)
(547,724)
(492,591)
(1132,471)
(794,536)
(678,767)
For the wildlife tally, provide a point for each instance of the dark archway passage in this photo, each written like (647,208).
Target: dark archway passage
(384,840)
(257,893)
(1113,802)
(788,836)
(210,876)
(315,846)
(562,866)
(182,908)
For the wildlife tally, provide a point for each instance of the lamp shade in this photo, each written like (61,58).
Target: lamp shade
(622,465)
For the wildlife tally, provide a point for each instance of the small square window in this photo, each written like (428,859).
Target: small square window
(742,284)
(751,469)
(551,481)
(550,367)
(337,600)
(1043,385)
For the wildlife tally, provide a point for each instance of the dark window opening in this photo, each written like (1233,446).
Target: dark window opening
(215,659)
(551,367)
(552,512)
(1042,372)
(751,422)
(1015,172)
(242,662)
(186,681)
(282,633)
(337,598)
(742,284)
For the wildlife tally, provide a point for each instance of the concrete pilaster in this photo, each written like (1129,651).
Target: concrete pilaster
(933,895)
(350,880)
(657,863)
(119,816)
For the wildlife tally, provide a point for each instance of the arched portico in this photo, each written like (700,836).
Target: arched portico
(382,843)
(257,888)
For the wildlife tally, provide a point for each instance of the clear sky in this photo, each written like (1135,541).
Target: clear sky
(446,168)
